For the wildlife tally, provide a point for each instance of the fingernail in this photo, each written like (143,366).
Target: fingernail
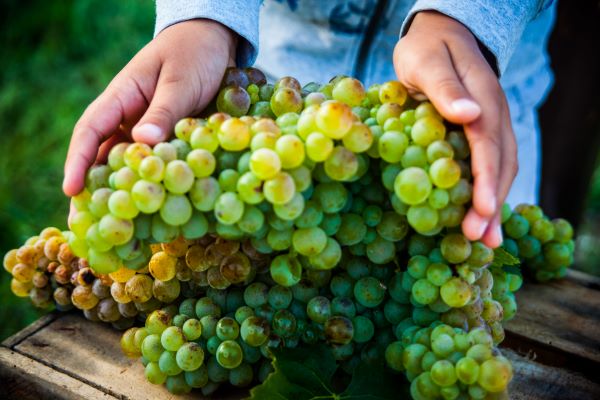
(499,234)
(481,230)
(467,107)
(149,132)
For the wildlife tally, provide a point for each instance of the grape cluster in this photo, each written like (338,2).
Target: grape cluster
(545,246)
(443,362)
(293,216)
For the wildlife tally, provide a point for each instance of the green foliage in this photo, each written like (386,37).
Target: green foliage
(56,58)
(504,258)
(310,373)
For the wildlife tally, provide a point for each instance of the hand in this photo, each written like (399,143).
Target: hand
(439,59)
(172,77)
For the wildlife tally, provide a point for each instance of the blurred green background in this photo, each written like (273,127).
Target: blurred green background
(56,58)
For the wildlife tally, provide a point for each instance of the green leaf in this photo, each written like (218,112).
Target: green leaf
(307,374)
(503,257)
(512,269)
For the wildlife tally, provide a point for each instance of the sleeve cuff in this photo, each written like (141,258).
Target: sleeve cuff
(497,25)
(241,16)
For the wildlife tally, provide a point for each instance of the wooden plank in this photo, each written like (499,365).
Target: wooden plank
(534,381)
(30,329)
(24,378)
(90,352)
(559,322)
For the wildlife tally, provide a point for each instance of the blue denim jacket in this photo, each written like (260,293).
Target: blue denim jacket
(314,40)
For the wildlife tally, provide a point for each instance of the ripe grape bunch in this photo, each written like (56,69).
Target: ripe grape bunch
(295,216)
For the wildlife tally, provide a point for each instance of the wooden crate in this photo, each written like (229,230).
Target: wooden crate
(554,344)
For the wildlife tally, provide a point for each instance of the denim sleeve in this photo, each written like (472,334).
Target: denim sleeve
(241,16)
(497,24)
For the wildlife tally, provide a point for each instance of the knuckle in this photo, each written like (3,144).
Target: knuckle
(162,112)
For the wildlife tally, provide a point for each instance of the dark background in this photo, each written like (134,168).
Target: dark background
(56,57)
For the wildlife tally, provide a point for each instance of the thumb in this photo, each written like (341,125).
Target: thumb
(173,99)
(441,85)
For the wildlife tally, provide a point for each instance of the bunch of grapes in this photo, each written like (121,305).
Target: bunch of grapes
(443,362)
(545,246)
(294,216)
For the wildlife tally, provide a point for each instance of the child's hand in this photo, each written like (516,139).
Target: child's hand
(439,59)
(172,77)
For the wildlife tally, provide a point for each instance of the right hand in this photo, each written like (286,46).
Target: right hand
(174,76)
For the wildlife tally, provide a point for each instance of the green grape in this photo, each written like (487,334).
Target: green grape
(179,177)
(124,178)
(192,329)
(263,140)
(292,209)
(444,172)
(438,198)
(290,150)
(439,149)
(97,177)
(332,196)
(229,209)
(318,146)
(425,292)
(438,273)
(286,100)
(98,204)
(197,378)
(312,215)
(412,356)
(393,356)
(212,344)
(280,240)
(209,326)
(456,292)
(121,205)
(467,370)
(318,309)
(392,227)
(455,248)
(280,297)
(255,331)
(157,322)
(331,223)
(309,241)
(234,135)
(242,375)
(364,330)
(242,313)
(369,292)
(152,168)
(528,246)
(359,139)
(172,338)
(427,129)
(148,196)
(176,209)
(334,119)
(116,156)
(423,218)
(349,91)
(166,151)
(381,251)
(372,215)
(342,164)
(563,231)
(202,162)
(228,180)
(252,220)
(249,188)
(256,294)
(284,323)
(557,254)
(153,374)
(152,348)
(227,329)
(495,374)
(516,226)
(233,100)
(196,227)
(182,148)
(229,354)
(163,232)
(387,111)
(542,230)
(190,356)
(461,193)
(167,363)
(80,222)
(392,145)
(392,92)
(352,230)
(302,178)
(204,138)
(414,156)
(329,257)
(388,175)
(279,189)
(103,262)
(286,270)
(480,352)
(412,185)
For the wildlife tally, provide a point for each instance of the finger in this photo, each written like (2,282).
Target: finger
(438,82)
(509,159)
(493,234)
(173,99)
(100,120)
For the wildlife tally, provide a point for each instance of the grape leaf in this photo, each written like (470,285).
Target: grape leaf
(307,374)
(503,257)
